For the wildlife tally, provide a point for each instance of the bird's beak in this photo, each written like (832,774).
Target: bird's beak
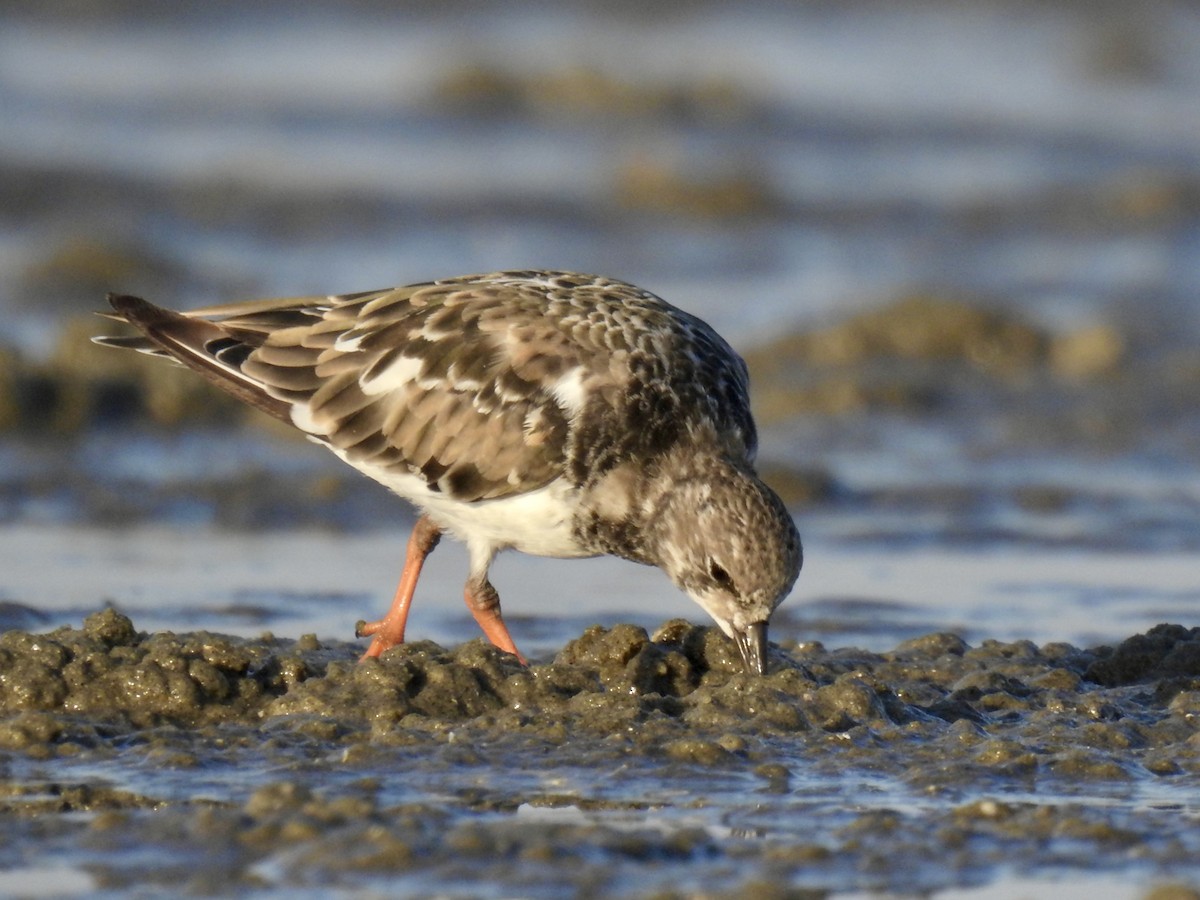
(752,644)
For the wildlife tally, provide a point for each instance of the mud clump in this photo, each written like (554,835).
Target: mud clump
(110,671)
(918,352)
(1168,653)
(82,385)
(685,684)
(581,93)
(928,327)
(658,186)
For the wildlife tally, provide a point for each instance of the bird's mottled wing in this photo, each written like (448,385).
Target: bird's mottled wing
(482,386)
(449,382)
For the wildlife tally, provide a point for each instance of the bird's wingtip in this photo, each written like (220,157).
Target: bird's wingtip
(124,302)
(139,312)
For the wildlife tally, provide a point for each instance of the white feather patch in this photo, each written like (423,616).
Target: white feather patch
(568,392)
(302,418)
(402,371)
(348,342)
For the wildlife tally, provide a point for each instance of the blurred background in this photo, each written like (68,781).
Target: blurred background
(958,243)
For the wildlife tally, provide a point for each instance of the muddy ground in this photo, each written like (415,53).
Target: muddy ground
(625,765)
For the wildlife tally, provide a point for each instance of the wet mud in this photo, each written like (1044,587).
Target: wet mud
(627,764)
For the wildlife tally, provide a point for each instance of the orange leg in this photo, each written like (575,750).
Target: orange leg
(389,631)
(484,604)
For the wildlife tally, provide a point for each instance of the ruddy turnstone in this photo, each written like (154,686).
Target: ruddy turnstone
(553,413)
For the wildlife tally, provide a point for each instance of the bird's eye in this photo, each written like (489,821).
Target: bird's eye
(719,575)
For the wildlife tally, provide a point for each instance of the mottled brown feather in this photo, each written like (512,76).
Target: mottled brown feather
(481,419)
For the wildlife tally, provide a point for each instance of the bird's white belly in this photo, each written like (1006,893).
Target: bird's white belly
(537,522)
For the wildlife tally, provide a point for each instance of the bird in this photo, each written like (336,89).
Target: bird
(549,412)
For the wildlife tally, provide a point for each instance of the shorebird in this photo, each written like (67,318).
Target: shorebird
(554,413)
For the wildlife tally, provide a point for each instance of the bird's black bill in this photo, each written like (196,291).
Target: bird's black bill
(752,644)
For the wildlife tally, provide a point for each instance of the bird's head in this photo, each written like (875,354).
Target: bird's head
(728,541)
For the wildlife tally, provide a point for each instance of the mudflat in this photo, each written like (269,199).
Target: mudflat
(627,764)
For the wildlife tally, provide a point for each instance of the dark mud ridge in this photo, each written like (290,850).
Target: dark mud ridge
(298,765)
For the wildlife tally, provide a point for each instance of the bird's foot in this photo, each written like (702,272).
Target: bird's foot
(385,635)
